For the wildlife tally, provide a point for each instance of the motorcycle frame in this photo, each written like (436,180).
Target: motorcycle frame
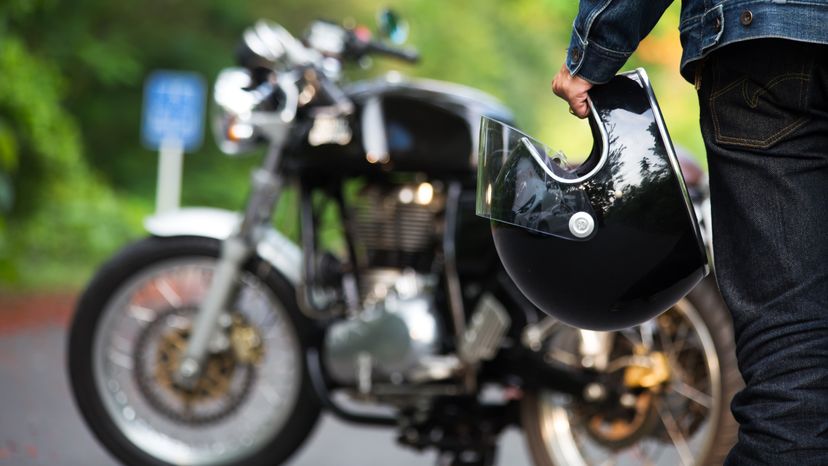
(252,233)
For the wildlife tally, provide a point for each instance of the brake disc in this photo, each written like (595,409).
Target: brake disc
(225,380)
(625,427)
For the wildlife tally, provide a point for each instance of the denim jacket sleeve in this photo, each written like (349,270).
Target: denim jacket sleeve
(607,32)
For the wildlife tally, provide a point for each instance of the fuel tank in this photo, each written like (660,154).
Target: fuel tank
(405,125)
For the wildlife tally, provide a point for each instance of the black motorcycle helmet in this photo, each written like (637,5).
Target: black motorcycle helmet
(609,244)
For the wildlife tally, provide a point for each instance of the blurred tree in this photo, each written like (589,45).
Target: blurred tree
(60,209)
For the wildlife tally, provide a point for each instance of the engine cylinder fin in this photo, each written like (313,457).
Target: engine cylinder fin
(394,233)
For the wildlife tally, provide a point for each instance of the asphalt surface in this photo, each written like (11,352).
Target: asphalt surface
(40,425)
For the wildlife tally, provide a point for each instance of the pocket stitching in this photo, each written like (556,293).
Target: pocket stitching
(753,100)
(762,143)
(755,143)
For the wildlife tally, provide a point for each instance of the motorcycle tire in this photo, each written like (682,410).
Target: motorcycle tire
(538,424)
(115,275)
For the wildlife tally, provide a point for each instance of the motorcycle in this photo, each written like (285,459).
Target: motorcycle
(217,340)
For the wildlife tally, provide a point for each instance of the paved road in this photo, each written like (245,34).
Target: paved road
(39,424)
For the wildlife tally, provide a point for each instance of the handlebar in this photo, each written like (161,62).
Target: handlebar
(268,48)
(359,43)
(379,48)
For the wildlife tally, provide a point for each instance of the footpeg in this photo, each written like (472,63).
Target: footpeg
(485,332)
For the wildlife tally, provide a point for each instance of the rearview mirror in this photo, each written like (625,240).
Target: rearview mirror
(392,27)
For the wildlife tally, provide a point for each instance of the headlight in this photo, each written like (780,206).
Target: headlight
(233,125)
(247,115)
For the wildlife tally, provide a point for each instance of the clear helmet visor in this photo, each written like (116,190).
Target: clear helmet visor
(523,182)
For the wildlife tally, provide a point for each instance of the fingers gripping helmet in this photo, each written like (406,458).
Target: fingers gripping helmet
(606,245)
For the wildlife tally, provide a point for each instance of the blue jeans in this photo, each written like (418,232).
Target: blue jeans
(764,119)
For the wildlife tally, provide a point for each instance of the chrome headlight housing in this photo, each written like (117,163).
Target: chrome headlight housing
(233,125)
(247,115)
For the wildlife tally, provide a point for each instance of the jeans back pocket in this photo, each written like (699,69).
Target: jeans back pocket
(758,109)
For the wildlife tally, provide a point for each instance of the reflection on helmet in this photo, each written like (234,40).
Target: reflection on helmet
(644,252)
(535,203)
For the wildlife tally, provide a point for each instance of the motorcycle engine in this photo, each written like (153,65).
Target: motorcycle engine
(389,340)
(396,226)
(396,231)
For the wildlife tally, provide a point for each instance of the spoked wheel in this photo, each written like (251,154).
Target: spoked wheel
(252,403)
(678,374)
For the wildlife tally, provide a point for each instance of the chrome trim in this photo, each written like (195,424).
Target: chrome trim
(644,80)
(374,139)
(604,152)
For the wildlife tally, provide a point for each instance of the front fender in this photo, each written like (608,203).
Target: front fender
(274,247)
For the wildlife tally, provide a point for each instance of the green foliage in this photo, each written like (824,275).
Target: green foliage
(63,217)
(75,182)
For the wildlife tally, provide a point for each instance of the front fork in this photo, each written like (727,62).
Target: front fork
(235,250)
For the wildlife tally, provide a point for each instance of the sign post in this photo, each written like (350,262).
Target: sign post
(172,124)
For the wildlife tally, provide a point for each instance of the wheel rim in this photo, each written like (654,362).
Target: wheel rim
(568,442)
(123,362)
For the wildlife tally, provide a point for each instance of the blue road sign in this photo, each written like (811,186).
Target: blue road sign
(173,109)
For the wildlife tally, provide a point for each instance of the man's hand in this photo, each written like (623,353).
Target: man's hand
(572,89)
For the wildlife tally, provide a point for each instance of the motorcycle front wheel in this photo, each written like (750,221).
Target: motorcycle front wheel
(683,366)
(253,403)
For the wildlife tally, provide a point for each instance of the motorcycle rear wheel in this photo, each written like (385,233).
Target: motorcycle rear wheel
(558,433)
(257,407)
